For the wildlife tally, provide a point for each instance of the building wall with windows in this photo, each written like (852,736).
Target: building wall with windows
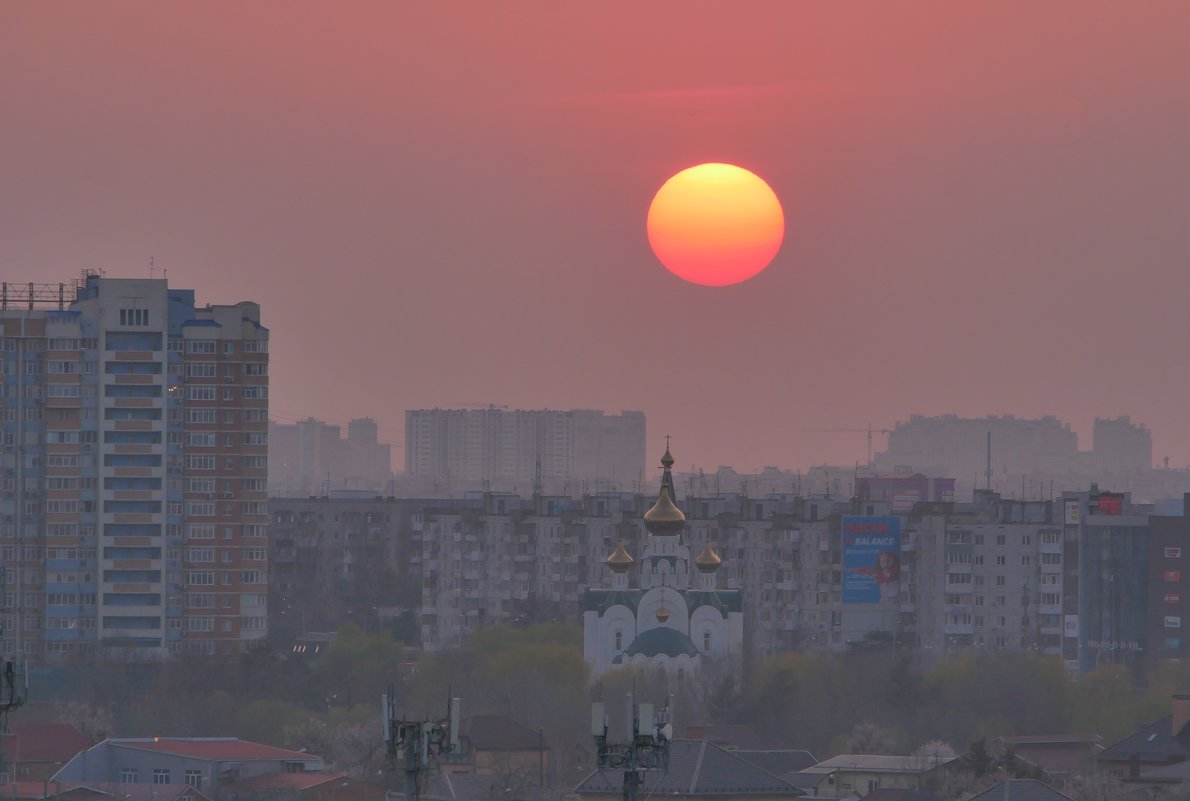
(1168,604)
(135,430)
(448,450)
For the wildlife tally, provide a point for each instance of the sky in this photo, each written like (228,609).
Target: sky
(443,204)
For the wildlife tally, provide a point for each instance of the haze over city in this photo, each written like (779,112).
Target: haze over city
(983,212)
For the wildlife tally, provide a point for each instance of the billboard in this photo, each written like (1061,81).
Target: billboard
(871,560)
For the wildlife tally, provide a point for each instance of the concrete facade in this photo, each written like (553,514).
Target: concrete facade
(134,504)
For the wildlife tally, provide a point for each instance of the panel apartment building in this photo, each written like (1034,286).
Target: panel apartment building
(451,450)
(133,502)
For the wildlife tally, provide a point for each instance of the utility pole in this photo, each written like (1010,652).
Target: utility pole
(647,748)
(415,743)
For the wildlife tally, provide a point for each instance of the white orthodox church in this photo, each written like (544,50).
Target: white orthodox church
(670,619)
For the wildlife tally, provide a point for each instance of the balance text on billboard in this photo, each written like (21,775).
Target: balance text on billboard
(871,560)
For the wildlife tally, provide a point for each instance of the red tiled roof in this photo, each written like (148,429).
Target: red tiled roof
(231,749)
(43,742)
(287,781)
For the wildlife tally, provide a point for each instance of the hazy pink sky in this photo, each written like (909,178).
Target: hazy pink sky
(444,203)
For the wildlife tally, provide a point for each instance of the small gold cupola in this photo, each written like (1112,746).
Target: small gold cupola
(708,561)
(620,560)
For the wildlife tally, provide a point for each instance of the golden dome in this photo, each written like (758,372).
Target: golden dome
(664,517)
(620,560)
(708,561)
(662,615)
(667,460)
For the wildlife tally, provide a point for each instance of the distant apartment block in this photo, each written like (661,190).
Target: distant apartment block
(133,503)
(1036,458)
(1121,445)
(311,457)
(450,450)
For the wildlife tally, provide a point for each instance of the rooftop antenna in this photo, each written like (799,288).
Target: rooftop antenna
(988,472)
(151,267)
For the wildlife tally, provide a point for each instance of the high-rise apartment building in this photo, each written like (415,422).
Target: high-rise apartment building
(310,457)
(464,448)
(133,502)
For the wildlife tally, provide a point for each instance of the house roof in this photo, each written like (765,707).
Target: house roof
(22,790)
(1152,743)
(1179,772)
(695,767)
(777,761)
(881,763)
(499,733)
(43,742)
(1021,790)
(287,781)
(221,749)
(898,794)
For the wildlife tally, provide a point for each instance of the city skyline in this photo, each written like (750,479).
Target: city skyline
(982,206)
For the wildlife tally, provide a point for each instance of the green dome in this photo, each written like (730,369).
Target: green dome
(662,641)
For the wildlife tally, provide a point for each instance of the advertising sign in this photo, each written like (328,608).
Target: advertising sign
(1070,627)
(871,560)
(1110,504)
(1072,513)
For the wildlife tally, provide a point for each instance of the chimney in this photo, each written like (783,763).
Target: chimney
(1181,712)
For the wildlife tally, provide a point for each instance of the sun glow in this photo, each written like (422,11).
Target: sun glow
(715,224)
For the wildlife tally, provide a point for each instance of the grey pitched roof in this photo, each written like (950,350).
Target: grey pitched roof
(1021,790)
(892,794)
(696,768)
(1152,743)
(777,761)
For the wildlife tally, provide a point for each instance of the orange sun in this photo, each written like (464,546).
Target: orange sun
(715,224)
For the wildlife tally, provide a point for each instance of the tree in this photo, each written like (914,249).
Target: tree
(869,738)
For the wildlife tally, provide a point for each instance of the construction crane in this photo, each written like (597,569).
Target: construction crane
(869,431)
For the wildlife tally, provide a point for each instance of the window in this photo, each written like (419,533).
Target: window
(200,462)
(200,346)
(251,577)
(255,554)
(1026,560)
(706,642)
(256,393)
(256,368)
(134,316)
(194,779)
(200,415)
(200,392)
(1051,559)
(1000,539)
(200,439)
(201,578)
(160,775)
(128,775)
(200,554)
(256,346)
(200,509)
(1000,560)
(201,485)
(200,369)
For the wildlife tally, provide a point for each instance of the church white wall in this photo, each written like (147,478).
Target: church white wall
(675,604)
(709,619)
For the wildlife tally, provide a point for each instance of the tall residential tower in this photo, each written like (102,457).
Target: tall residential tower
(133,502)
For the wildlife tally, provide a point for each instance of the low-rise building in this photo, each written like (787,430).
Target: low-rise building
(207,764)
